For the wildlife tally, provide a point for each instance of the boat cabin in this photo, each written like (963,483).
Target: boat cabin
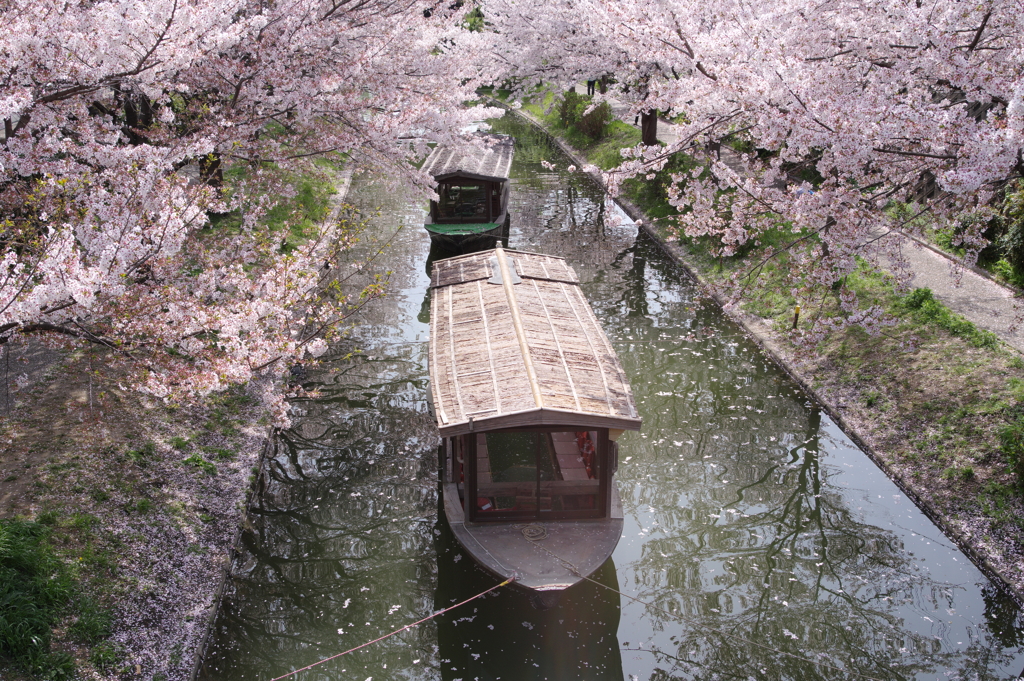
(473,190)
(530,399)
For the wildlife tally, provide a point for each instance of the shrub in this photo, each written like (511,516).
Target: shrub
(1011,243)
(651,195)
(991,229)
(573,114)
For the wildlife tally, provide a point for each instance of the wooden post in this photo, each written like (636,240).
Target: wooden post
(469,466)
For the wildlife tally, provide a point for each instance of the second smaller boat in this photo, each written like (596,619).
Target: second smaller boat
(471,212)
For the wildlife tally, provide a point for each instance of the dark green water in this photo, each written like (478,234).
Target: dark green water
(759,541)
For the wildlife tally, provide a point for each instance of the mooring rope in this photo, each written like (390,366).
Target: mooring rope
(532,531)
(396,631)
(576,571)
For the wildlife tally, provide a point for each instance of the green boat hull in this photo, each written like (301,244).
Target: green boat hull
(468,238)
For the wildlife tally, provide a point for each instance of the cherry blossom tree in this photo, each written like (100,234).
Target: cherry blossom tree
(849,109)
(107,104)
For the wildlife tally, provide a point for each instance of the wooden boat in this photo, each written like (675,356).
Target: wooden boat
(471,212)
(529,398)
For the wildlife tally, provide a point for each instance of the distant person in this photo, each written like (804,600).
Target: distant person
(591,86)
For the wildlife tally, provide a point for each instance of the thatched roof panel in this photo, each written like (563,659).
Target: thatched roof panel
(480,324)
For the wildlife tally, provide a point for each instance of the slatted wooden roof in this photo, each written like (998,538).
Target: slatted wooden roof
(520,348)
(490,162)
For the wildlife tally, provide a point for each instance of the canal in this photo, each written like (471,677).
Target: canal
(759,541)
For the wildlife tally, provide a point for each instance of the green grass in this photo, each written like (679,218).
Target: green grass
(650,194)
(604,152)
(105,656)
(922,305)
(992,258)
(225,408)
(293,219)
(959,429)
(221,453)
(93,624)
(36,587)
(142,456)
(1004,271)
(1011,434)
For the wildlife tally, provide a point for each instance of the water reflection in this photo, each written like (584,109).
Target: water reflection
(759,542)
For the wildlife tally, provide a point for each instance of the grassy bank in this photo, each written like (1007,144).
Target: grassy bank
(122,513)
(939,401)
(118,512)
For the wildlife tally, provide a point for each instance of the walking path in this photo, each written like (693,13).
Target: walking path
(979,299)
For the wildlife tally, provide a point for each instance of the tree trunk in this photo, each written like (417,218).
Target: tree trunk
(210,170)
(649,127)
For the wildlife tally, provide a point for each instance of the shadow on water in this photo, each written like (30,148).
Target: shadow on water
(758,540)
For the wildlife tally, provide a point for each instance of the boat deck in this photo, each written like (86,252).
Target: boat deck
(569,549)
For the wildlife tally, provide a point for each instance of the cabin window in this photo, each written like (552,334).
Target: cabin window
(463,201)
(538,474)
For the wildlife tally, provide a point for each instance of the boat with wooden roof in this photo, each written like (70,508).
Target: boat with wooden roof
(471,211)
(529,399)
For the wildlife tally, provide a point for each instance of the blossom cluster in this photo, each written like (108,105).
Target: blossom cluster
(840,110)
(120,119)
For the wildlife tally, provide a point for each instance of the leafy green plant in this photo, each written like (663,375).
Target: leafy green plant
(219,452)
(1012,275)
(1011,242)
(996,501)
(105,656)
(991,227)
(650,194)
(93,623)
(197,461)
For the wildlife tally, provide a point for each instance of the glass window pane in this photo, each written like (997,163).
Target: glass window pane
(530,473)
(512,463)
(576,477)
(462,201)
